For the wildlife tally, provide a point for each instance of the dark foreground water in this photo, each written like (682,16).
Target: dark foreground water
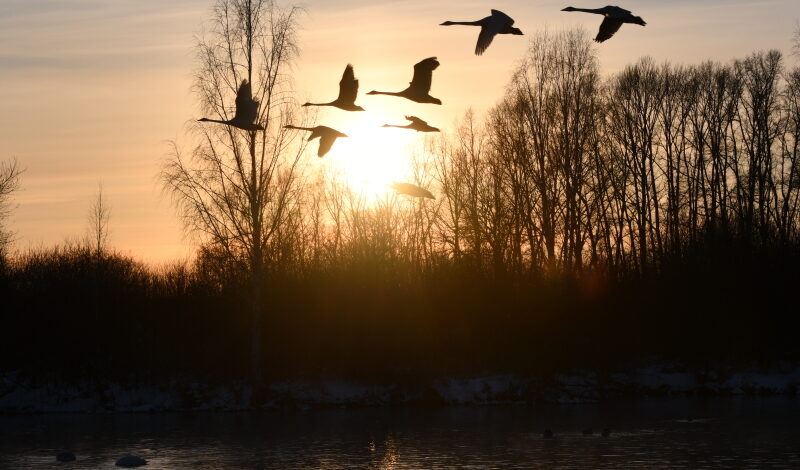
(740,433)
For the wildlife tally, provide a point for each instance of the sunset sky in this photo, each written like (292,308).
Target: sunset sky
(93,90)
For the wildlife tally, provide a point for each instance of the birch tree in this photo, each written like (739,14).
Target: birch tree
(238,187)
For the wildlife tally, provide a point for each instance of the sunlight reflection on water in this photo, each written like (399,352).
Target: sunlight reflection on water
(749,433)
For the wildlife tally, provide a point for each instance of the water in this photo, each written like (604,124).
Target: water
(734,433)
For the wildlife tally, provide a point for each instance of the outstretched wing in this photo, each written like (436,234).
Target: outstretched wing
(491,27)
(607,29)
(416,120)
(246,106)
(423,74)
(501,17)
(325,144)
(348,85)
(485,38)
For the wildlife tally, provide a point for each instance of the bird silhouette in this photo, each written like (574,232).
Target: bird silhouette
(327,136)
(420,86)
(348,89)
(417,124)
(411,190)
(246,110)
(491,26)
(614,17)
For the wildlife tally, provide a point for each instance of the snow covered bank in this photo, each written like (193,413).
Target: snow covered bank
(20,395)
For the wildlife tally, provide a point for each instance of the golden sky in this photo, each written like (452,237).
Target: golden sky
(92,90)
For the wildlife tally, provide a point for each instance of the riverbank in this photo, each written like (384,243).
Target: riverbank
(25,395)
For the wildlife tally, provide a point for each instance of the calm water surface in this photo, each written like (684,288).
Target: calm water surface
(742,433)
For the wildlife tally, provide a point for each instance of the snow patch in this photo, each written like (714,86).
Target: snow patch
(19,395)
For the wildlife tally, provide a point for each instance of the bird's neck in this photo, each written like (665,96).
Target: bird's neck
(213,120)
(392,93)
(465,23)
(590,10)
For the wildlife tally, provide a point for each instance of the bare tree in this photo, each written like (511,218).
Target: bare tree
(238,187)
(544,132)
(99,215)
(788,160)
(758,128)
(9,182)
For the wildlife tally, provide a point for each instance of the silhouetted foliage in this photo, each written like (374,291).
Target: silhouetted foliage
(78,313)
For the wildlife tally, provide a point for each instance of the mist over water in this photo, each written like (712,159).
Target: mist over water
(736,433)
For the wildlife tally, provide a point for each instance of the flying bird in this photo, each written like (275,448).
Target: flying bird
(327,136)
(417,124)
(246,110)
(420,86)
(491,26)
(411,190)
(348,89)
(612,21)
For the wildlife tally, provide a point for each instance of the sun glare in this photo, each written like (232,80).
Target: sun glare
(372,156)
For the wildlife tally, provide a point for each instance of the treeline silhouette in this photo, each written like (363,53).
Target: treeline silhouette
(584,222)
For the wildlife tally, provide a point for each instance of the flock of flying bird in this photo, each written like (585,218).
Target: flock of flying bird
(418,89)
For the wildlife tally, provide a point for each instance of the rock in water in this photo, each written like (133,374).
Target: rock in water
(65,457)
(130,461)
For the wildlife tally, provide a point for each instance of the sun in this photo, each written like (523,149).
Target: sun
(372,156)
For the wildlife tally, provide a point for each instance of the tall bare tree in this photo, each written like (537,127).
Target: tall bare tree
(9,182)
(99,215)
(238,187)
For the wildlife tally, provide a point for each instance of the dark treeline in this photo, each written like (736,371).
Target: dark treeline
(583,222)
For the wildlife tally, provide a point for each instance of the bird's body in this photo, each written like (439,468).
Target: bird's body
(348,90)
(497,23)
(417,124)
(411,190)
(420,86)
(327,136)
(613,18)
(246,110)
